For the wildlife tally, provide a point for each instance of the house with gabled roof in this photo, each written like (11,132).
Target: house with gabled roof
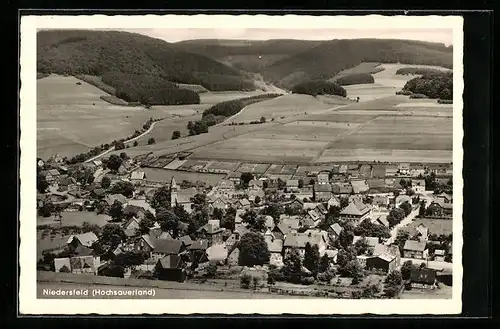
(342,188)
(418,185)
(423,278)
(131,227)
(322,192)
(381,201)
(404,168)
(275,247)
(299,241)
(84,239)
(137,176)
(334,231)
(323,177)
(292,185)
(165,247)
(171,268)
(356,212)
(333,202)
(415,249)
(212,232)
(359,186)
(242,203)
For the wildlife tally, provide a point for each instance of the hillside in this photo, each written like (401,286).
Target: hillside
(247,55)
(139,59)
(330,57)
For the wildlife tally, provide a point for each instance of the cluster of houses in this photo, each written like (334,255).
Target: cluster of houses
(311,195)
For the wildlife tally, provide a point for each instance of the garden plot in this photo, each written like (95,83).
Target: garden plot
(193,165)
(385,155)
(221,166)
(165,176)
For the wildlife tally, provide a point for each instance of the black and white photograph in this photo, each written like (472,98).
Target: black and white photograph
(215,163)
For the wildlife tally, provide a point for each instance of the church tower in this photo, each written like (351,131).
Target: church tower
(173,193)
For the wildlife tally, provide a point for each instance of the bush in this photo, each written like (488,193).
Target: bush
(245,280)
(418,96)
(326,276)
(308,280)
(437,86)
(445,101)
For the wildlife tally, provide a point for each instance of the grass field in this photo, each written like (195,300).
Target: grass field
(77,218)
(283,106)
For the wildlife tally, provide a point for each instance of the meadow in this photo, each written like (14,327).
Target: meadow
(72,118)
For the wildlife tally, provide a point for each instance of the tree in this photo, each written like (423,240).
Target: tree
(262,119)
(406,269)
(87,227)
(274,210)
(367,228)
(396,215)
(151,141)
(371,291)
(394,278)
(168,221)
(292,269)
(161,198)
(301,183)
(41,183)
(124,156)
(145,224)
(245,280)
(400,240)
(311,258)
(257,199)
(116,211)
(344,202)
(105,182)
(410,192)
(353,270)
(112,235)
(136,143)
(254,222)
(346,237)
(344,256)
(46,209)
(324,263)
(421,210)
(124,188)
(246,177)
(406,206)
(114,162)
(176,134)
(361,246)
(218,213)
(253,250)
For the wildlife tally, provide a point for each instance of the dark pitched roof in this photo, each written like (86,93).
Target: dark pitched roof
(167,246)
(414,245)
(322,188)
(425,275)
(186,239)
(199,245)
(170,262)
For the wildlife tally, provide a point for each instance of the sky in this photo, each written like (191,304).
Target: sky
(174,35)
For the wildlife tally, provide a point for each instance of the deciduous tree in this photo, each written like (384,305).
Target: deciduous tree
(253,250)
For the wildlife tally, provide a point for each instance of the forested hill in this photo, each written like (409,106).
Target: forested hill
(330,57)
(247,55)
(100,53)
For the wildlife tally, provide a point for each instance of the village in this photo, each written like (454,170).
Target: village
(350,230)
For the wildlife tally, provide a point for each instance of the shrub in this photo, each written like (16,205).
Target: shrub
(245,280)
(326,276)
(319,87)
(308,280)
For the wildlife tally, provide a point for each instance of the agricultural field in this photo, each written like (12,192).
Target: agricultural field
(221,166)
(213,98)
(257,168)
(362,68)
(244,148)
(386,155)
(165,176)
(283,106)
(400,132)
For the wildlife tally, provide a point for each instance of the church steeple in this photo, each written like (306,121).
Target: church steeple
(173,193)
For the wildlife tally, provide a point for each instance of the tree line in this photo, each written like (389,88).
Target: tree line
(319,87)
(435,85)
(355,79)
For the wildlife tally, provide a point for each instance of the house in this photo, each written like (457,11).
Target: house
(171,268)
(111,198)
(356,212)
(181,197)
(391,170)
(402,198)
(378,171)
(424,278)
(342,188)
(285,226)
(322,192)
(233,259)
(380,201)
(356,198)
(441,208)
(384,262)
(217,253)
(447,198)
(334,231)
(238,217)
(131,227)
(186,240)
(144,244)
(275,247)
(404,168)
(269,222)
(381,219)
(221,202)
(353,170)
(242,203)
(333,202)
(226,187)
(52,175)
(232,240)
(415,249)
(361,259)
(165,247)
(137,176)
(235,177)
(256,184)
(323,177)
(365,171)
(197,251)
(296,204)
(310,219)
(439,255)
(241,229)
(370,241)
(381,249)
(292,186)
(77,265)
(299,241)
(359,186)
(375,183)
(212,232)
(343,169)
(84,239)
(418,185)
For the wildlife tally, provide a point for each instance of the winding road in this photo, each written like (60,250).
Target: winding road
(125,142)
